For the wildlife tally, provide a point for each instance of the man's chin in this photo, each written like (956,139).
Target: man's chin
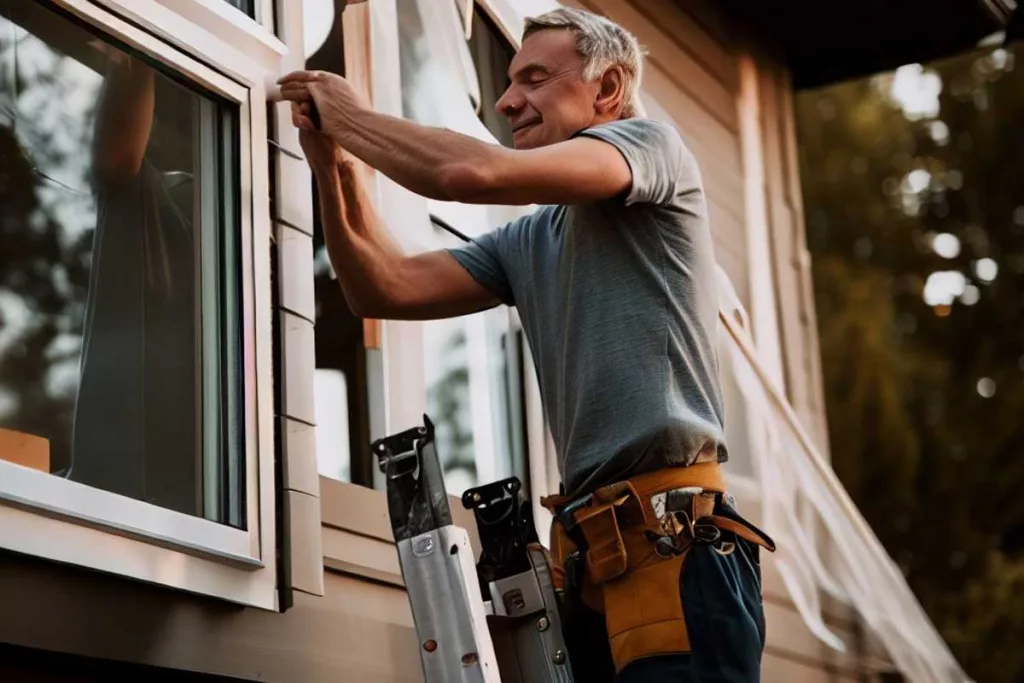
(528,138)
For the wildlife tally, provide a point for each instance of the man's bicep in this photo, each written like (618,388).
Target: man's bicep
(571,172)
(435,285)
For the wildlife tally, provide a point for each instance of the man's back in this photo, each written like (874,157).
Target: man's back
(619,302)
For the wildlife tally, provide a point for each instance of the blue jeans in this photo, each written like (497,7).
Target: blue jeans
(724,617)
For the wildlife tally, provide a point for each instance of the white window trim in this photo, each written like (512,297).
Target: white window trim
(65,521)
(241,48)
(232,24)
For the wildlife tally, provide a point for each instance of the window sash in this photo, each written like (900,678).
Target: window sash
(51,517)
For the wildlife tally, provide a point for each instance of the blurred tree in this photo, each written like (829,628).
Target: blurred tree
(915,216)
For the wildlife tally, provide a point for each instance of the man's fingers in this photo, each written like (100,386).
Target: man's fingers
(296,94)
(302,76)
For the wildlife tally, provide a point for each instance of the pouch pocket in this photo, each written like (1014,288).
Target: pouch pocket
(606,553)
(644,612)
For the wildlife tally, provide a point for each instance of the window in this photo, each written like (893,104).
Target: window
(340,385)
(119,361)
(134,290)
(472,364)
(473,374)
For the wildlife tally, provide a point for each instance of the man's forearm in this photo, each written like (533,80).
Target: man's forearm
(363,254)
(432,162)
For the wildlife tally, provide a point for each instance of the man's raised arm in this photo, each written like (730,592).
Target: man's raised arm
(377,279)
(445,165)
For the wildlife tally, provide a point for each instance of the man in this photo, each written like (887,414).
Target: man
(614,280)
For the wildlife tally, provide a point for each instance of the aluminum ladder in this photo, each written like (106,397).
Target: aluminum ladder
(491,620)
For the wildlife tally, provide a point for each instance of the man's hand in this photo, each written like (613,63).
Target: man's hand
(322,153)
(334,97)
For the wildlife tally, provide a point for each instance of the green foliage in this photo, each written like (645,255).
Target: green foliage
(924,383)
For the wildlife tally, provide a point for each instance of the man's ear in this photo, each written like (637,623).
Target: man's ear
(612,93)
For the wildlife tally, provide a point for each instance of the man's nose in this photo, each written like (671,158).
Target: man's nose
(509,102)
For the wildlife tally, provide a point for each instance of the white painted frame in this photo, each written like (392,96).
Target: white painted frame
(53,518)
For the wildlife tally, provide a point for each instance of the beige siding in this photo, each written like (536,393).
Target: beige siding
(359,630)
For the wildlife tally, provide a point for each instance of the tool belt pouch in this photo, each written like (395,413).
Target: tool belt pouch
(640,590)
(606,553)
(644,611)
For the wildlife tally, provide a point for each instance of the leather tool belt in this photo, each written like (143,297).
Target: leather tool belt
(624,546)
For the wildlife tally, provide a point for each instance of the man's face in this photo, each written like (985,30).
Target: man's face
(547,101)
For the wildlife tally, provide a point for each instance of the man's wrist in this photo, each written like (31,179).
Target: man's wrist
(326,175)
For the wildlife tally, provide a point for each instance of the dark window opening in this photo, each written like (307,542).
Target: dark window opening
(341,384)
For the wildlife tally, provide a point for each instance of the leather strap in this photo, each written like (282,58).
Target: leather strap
(742,530)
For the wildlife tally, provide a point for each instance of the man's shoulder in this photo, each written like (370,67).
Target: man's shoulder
(657,134)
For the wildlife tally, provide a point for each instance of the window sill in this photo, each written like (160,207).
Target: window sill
(76,504)
(62,521)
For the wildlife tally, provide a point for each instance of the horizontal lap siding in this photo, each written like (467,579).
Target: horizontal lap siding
(694,78)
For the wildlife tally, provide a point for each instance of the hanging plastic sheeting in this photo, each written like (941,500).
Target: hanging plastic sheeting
(862,574)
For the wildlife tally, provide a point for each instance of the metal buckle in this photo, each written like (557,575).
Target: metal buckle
(706,533)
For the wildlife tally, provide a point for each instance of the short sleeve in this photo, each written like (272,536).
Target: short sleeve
(492,259)
(655,154)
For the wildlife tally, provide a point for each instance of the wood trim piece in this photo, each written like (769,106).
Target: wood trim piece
(372,333)
(305,546)
(763,306)
(808,315)
(27,450)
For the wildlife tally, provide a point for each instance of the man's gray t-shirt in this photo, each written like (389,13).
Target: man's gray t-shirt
(619,303)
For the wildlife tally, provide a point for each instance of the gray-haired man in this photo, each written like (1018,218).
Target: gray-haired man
(614,280)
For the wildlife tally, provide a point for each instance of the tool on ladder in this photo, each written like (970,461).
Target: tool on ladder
(491,620)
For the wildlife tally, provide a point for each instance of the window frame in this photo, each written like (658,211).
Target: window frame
(65,521)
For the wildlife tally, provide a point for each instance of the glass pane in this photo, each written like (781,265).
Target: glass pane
(474,397)
(119,284)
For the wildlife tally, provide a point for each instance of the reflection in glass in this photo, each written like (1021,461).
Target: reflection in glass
(118,327)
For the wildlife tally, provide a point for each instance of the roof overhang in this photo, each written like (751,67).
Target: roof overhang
(826,42)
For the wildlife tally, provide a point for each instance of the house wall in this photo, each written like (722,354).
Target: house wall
(361,629)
